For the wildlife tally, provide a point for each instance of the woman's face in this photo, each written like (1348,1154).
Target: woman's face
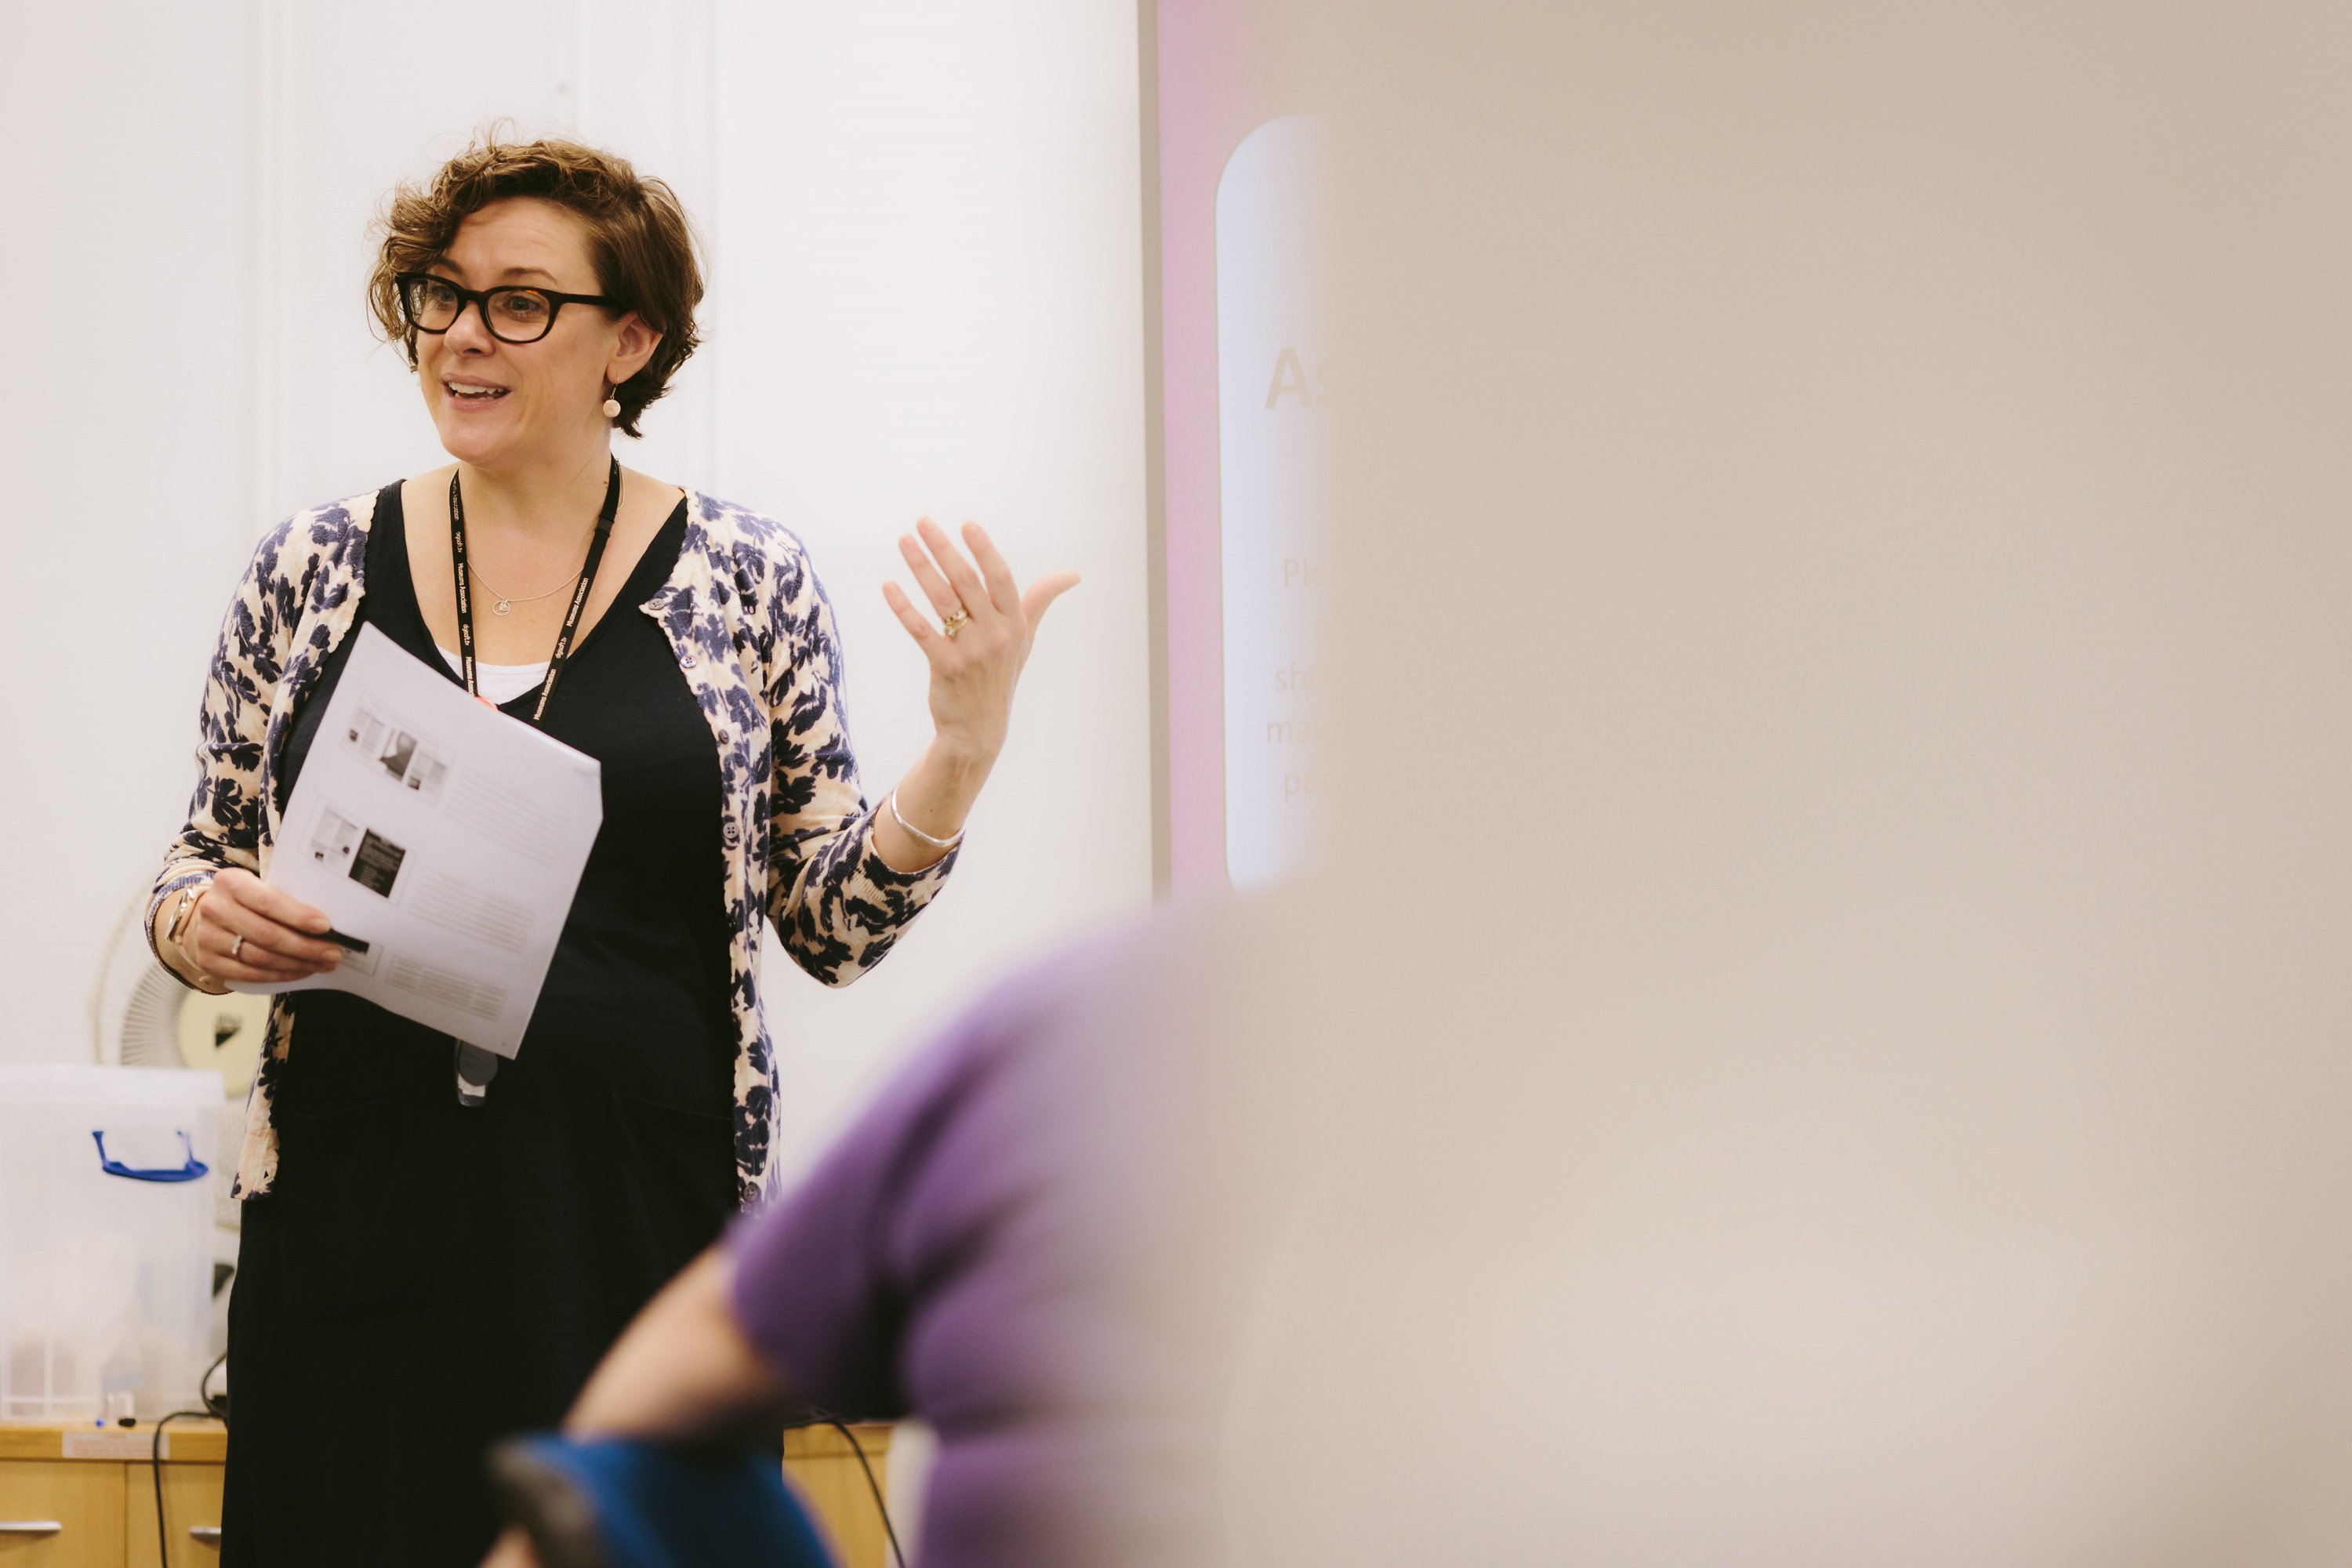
(503,404)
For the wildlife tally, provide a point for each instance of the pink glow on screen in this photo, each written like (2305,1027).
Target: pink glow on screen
(1224,70)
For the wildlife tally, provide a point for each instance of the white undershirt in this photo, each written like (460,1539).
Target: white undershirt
(501,683)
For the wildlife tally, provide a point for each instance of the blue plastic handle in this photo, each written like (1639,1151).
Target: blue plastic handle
(188,1173)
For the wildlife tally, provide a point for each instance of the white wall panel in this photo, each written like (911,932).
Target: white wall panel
(930,258)
(124,425)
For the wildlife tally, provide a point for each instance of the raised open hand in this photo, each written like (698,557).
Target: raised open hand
(977,656)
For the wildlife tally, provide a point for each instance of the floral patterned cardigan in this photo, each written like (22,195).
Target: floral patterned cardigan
(755,639)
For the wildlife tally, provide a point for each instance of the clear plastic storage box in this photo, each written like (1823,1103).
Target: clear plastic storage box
(106,1255)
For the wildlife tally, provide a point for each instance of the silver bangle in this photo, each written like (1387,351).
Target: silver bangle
(916,834)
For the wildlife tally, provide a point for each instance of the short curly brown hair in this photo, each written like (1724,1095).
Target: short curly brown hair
(639,240)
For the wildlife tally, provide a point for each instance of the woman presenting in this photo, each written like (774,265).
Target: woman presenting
(437,1246)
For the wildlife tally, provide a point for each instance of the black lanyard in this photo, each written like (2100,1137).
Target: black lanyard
(571,617)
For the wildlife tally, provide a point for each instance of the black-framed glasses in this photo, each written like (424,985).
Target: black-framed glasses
(513,315)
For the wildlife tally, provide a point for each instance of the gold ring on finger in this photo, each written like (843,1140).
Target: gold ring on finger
(237,946)
(955,623)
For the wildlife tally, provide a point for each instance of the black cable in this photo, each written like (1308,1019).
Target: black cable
(858,1448)
(215,1406)
(218,1404)
(817,1417)
(156,1463)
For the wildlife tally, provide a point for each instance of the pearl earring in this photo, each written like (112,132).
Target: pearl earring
(612,407)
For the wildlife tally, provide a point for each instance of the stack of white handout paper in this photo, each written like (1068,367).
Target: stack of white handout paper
(442,839)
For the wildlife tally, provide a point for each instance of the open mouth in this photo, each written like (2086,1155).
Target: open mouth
(465,392)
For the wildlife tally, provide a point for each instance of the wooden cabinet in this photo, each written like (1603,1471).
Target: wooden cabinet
(192,1513)
(823,1469)
(73,1497)
(96,1486)
(55,1513)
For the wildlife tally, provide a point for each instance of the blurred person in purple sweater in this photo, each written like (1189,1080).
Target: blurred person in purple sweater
(1035,1239)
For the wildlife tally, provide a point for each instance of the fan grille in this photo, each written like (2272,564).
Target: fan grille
(149,1036)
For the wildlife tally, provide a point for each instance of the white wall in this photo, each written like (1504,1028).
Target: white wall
(124,463)
(925,266)
(928,225)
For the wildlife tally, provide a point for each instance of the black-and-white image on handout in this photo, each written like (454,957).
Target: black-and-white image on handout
(334,839)
(360,957)
(414,765)
(361,853)
(376,867)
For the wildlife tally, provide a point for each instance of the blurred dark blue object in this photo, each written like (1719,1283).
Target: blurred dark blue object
(616,1503)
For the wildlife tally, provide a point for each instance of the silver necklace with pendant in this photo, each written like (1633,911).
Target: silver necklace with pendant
(504,604)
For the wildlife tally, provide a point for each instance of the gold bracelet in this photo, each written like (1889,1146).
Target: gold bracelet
(181,919)
(189,898)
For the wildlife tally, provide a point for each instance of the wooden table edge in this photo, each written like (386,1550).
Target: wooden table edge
(203,1442)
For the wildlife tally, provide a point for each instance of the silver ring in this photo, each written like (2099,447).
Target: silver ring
(237,946)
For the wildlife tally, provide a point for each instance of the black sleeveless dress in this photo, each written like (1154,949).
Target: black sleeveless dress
(425,1278)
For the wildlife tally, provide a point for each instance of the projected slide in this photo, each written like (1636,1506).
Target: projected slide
(1239,192)
(1271,365)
